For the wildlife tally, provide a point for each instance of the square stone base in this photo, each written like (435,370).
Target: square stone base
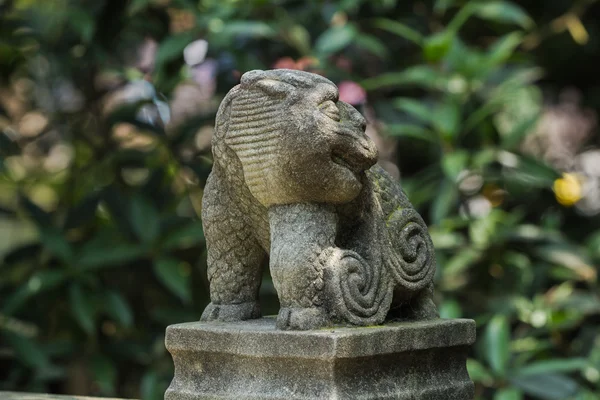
(253,360)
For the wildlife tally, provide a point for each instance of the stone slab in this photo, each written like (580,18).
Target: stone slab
(254,360)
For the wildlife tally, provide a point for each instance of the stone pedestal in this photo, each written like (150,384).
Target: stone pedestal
(253,360)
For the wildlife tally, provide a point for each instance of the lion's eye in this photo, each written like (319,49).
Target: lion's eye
(330,109)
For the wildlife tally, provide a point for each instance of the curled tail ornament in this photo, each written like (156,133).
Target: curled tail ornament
(360,292)
(411,260)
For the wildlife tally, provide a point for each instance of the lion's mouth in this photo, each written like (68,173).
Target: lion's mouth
(355,169)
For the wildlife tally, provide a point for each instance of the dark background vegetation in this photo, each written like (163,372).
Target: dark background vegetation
(485,110)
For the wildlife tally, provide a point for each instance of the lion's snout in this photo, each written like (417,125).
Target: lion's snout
(370,152)
(353,145)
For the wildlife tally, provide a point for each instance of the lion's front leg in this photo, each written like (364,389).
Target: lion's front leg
(319,283)
(299,235)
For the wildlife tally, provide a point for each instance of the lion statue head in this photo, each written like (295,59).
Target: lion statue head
(295,140)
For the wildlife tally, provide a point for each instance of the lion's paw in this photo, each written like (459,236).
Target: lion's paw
(231,312)
(302,318)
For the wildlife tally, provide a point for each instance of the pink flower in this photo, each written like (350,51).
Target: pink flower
(195,52)
(285,63)
(352,92)
(302,64)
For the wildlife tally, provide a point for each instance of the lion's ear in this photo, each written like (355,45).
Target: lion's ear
(264,81)
(275,88)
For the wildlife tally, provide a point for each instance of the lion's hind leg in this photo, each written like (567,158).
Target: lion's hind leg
(234,273)
(234,262)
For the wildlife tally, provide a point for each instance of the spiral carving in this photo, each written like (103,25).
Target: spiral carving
(361,293)
(411,261)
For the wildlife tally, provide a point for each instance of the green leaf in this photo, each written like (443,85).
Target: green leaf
(468,66)
(584,394)
(42,281)
(7,146)
(568,257)
(173,274)
(40,217)
(255,29)
(503,48)
(547,386)
(39,282)
(503,12)
(508,394)
(528,171)
(399,29)
(483,230)
(445,201)
(497,344)
(118,308)
(441,6)
(144,219)
(450,309)
(411,131)
(446,240)
(483,158)
(516,259)
(478,373)
(371,44)
(57,244)
(188,236)
(299,37)
(480,115)
(454,163)
(96,254)
(527,345)
(580,302)
(463,14)
(551,366)
(82,308)
(83,212)
(119,208)
(108,248)
(533,233)
(151,388)
(172,47)
(105,374)
(592,244)
(414,108)
(28,351)
(513,138)
(419,75)
(16,300)
(135,6)
(437,46)
(335,39)
(83,23)
(446,119)
(454,270)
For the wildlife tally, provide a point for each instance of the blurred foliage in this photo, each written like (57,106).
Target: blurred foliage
(101,245)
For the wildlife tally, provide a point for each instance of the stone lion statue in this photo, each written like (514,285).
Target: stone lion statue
(295,180)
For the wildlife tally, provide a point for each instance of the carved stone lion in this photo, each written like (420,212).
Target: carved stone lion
(295,180)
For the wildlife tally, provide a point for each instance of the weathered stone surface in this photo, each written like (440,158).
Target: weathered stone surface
(294,180)
(254,360)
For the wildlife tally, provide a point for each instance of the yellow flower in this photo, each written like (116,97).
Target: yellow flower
(568,189)
(494,194)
